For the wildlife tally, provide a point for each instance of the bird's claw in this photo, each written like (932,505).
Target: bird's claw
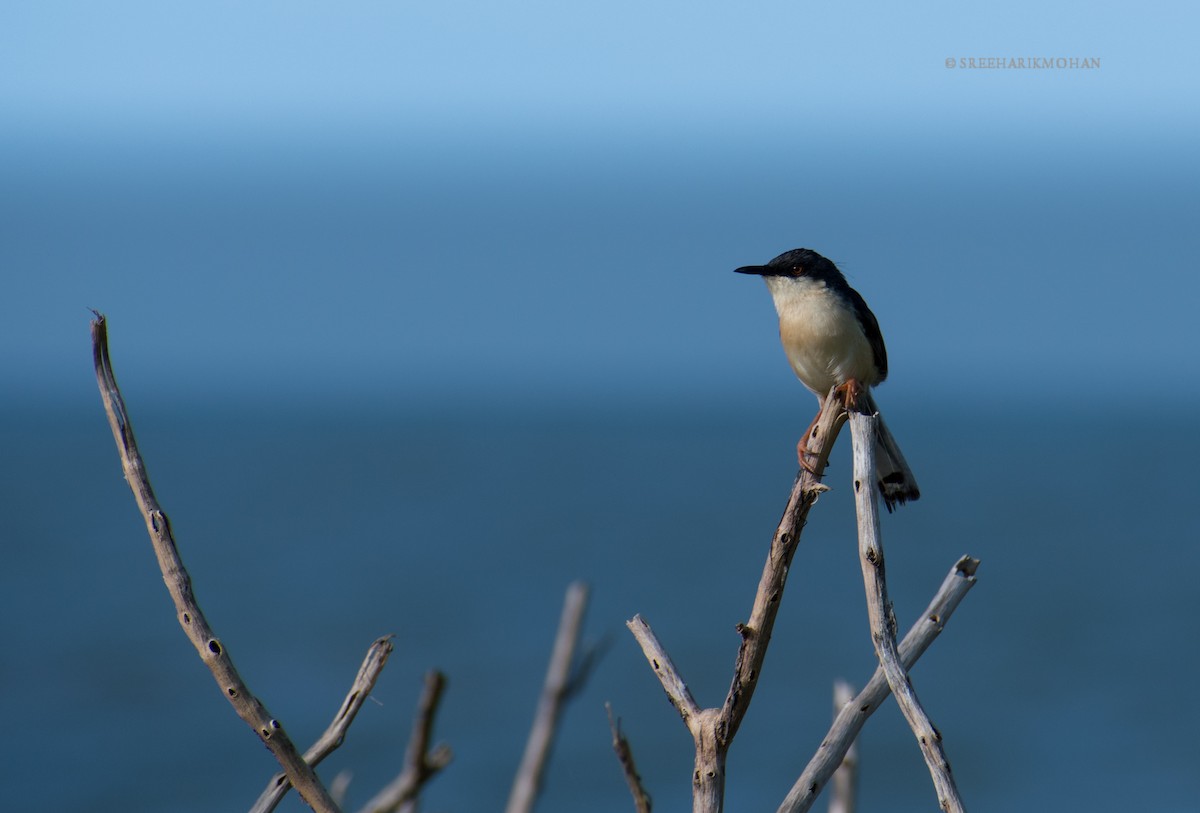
(850,393)
(802,454)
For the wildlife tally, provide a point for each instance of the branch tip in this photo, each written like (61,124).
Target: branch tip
(967,566)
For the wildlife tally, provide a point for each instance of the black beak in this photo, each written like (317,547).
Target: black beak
(760,270)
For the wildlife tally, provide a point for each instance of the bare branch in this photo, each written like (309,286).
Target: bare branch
(708,778)
(179,584)
(879,611)
(641,799)
(333,737)
(713,729)
(420,764)
(853,717)
(558,685)
(845,778)
(674,685)
(756,633)
(708,775)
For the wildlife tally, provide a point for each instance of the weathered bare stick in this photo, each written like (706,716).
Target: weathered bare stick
(708,780)
(333,737)
(853,716)
(558,685)
(756,633)
(845,778)
(713,730)
(674,685)
(879,611)
(621,747)
(179,585)
(420,764)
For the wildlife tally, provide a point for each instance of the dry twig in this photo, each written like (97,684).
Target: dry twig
(179,584)
(621,747)
(420,764)
(333,737)
(560,683)
(879,610)
(845,778)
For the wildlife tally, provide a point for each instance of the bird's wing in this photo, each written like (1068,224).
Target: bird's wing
(870,326)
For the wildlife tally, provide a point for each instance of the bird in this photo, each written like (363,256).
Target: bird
(832,339)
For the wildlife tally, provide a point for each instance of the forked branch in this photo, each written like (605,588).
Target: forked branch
(713,730)
(333,737)
(853,716)
(420,763)
(560,683)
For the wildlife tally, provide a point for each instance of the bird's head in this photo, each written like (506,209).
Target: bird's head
(799,262)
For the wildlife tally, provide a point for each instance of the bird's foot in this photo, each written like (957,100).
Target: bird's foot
(802,452)
(851,393)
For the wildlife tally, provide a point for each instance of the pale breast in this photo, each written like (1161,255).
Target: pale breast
(822,338)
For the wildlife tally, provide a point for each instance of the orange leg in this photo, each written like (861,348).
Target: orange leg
(850,393)
(802,452)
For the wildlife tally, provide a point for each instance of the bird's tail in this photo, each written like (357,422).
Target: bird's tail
(897,485)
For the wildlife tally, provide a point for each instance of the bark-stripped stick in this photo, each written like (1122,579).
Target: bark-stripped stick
(853,717)
(713,730)
(879,611)
(179,584)
(333,737)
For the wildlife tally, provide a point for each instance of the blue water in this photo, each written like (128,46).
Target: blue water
(1062,682)
(405,381)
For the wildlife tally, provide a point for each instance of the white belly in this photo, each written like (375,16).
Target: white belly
(822,338)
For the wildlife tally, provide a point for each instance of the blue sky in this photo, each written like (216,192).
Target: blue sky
(496,200)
